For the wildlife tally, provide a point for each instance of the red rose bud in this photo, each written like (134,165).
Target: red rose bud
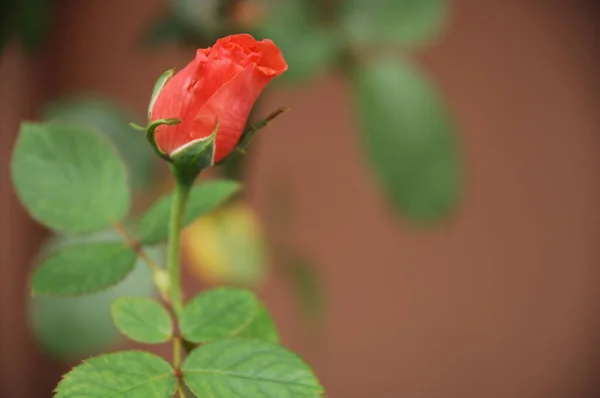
(219,86)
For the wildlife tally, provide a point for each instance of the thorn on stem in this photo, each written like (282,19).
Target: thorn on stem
(178,373)
(276,113)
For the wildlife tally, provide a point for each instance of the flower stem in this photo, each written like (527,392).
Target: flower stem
(176,352)
(182,191)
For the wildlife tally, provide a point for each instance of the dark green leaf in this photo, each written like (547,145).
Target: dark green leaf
(409,139)
(7,16)
(69,178)
(235,368)
(203,199)
(131,374)
(407,22)
(111,120)
(307,47)
(34,17)
(84,268)
(142,319)
(261,327)
(217,314)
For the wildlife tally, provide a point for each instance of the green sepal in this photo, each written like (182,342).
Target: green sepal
(136,126)
(158,86)
(151,131)
(251,131)
(190,159)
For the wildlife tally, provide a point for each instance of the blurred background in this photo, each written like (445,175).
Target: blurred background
(423,223)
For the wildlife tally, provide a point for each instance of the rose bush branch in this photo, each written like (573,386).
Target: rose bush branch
(73,181)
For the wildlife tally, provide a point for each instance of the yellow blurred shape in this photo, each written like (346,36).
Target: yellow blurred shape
(227,246)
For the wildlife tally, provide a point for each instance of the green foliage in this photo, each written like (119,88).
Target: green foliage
(84,268)
(142,319)
(261,327)
(217,314)
(308,48)
(192,22)
(69,178)
(111,120)
(409,139)
(33,20)
(204,16)
(406,22)
(75,327)
(131,374)
(27,20)
(204,198)
(248,368)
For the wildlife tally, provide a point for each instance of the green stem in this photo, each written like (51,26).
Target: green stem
(182,191)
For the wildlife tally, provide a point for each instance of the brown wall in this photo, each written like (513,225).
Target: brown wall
(500,303)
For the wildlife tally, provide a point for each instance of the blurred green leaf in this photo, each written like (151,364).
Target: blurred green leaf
(406,22)
(69,178)
(6,23)
(131,374)
(217,314)
(204,198)
(33,21)
(307,47)
(166,28)
(203,15)
(234,368)
(111,120)
(142,319)
(170,28)
(306,285)
(261,327)
(409,139)
(76,327)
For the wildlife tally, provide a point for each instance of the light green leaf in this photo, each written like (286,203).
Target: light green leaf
(308,48)
(112,120)
(409,138)
(131,374)
(142,319)
(248,368)
(76,327)
(82,269)
(406,22)
(203,199)
(69,178)
(217,314)
(261,327)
